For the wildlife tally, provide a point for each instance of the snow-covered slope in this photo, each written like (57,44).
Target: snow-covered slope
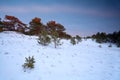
(84,61)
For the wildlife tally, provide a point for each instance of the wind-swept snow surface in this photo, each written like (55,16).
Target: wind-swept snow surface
(84,61)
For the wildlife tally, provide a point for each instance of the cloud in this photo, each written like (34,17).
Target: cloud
(30,9)
(59,9)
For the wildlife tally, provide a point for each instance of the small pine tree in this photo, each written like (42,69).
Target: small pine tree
(29,63)
(78,38)
(55,37)
(72,41)
(44,38)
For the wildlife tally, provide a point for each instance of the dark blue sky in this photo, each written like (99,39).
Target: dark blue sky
(83,17)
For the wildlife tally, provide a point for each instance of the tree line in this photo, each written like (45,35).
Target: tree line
(51,31)
(104,38)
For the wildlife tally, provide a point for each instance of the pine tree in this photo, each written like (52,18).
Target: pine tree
(29,62)
(14,24)
(55,38)
(35,26)
(44,38)
(101,37)
(118,41)
(1,25)
(72,41)
(55,29)
(78,38)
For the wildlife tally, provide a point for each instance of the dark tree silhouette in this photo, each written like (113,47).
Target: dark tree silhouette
(111,37)
(100,37)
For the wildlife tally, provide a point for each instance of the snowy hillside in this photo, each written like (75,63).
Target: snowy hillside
(84,61)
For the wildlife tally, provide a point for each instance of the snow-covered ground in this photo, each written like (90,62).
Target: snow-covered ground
(84,61)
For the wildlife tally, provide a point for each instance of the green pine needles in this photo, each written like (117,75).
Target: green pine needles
(29,63)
